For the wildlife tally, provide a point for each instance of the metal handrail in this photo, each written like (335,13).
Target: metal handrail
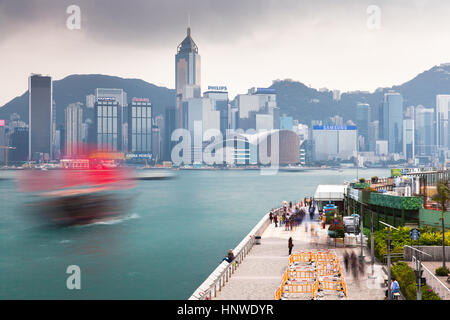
(438,287)
(223,272)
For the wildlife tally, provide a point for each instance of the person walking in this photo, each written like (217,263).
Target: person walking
(324,220)
(275,219)
(271,217)
(290,245)
(346,260)
(354,265)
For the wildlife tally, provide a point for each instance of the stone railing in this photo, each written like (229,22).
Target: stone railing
(221,275)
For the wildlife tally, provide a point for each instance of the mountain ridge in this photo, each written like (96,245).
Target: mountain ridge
(294,98)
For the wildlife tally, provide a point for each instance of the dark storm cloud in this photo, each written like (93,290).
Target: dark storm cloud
(147,22)
(159,22)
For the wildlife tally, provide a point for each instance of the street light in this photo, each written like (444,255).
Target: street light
(372,244)
(389,256)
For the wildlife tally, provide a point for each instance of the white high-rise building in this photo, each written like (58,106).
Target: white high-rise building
(332,142)
(442,130)
(425,143)
(201,117)
(408,139)
(74,129)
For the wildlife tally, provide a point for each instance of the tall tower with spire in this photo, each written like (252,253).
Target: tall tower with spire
(187,73)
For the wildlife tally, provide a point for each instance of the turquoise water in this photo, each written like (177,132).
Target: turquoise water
(174,234)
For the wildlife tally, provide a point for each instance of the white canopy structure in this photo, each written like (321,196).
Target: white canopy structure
(330,192)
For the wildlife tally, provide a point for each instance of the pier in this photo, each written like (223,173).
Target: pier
(259,268)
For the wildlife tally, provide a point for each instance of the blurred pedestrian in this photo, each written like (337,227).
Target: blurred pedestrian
(362,267)
(354,264)
(346,260)
(290,245)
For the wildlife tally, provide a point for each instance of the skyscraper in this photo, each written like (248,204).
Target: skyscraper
(362,122)
(408,139)
(2,140)
(107,124)
(40,110)
(219,99)
(169,127)
(120,96)
(374,134)
(442,130)
(140,126)
(187,71)
(424,126)
(73,132)
(393,121)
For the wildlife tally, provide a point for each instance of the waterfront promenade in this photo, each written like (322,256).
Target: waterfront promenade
(260,273)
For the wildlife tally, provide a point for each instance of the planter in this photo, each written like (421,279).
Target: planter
(336,233)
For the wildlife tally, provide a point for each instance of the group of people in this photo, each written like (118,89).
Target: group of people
(292,215)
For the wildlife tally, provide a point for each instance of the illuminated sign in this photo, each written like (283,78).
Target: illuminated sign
(265,90)
(334,127)
(2,123)
(107,155)
(217,88)
(106,99)
(138,156)
(141,100)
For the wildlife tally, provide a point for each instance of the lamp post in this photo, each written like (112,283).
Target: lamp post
(372,244)
(361,256)
(389,256)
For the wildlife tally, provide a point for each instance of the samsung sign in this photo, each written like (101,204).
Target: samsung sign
(334,127)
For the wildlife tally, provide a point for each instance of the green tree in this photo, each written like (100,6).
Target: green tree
(441,197)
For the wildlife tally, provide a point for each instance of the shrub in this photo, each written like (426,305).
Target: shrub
(400,238)
(374,179)
(407,280)
(442,272)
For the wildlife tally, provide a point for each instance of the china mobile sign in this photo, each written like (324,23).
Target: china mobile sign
(2,123)
(138,156)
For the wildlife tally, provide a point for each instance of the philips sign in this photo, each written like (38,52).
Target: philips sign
(217,88)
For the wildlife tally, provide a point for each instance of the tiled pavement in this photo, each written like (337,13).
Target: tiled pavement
(261,271)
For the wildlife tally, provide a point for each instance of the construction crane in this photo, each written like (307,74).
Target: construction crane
(6,148)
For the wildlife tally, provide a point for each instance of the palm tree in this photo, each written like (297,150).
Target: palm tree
(442,197)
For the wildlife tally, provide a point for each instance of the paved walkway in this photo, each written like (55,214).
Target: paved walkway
(261,271)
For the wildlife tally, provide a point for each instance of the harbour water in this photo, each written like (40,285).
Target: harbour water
(174,234)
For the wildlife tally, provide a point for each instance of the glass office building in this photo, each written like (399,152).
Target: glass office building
(393,121)
(140,126)
(362,122)
(108,128)
(40,110)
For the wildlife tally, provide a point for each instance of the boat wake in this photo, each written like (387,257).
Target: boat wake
(113,221)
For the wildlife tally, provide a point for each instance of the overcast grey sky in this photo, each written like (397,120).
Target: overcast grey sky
(243,43)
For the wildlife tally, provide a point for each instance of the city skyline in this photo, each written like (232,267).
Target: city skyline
(312,45)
